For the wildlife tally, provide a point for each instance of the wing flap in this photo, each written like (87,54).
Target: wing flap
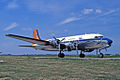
(31,40)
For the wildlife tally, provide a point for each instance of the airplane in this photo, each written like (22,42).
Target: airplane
(84,43)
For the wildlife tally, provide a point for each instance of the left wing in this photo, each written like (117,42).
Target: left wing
(31,40)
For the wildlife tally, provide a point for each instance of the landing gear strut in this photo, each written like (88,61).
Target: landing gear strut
(81,55)
(61,55)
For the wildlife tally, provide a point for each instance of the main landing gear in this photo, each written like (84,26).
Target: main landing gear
(61,55)
(82,55)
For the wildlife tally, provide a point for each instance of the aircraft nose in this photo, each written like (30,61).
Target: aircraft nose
(109,41)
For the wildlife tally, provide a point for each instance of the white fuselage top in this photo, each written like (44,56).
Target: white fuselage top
(79,37)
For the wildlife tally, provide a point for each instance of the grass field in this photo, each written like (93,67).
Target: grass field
(53,68)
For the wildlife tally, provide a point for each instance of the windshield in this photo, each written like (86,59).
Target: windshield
(98,36)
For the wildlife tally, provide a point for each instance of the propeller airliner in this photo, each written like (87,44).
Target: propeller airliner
(84,43)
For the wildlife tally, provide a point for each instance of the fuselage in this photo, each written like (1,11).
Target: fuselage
(86,42)
(79,37)
(86,45)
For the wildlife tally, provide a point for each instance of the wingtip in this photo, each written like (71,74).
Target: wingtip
(8,35)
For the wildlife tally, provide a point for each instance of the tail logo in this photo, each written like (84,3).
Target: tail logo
(35,35)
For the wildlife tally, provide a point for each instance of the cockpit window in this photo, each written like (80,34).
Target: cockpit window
(98,36)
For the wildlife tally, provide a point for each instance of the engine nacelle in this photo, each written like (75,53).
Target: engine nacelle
(69,48)
(62,46)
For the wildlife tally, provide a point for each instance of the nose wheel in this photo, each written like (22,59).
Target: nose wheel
(101,55)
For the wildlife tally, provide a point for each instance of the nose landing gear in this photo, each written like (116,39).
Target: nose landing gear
(100,55)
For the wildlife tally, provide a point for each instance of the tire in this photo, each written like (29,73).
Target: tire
(61,55)
(82,55)
(101,55)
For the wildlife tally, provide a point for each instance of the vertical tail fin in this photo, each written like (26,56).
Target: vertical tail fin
(35,36)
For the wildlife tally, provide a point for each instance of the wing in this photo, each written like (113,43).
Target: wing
(31,40)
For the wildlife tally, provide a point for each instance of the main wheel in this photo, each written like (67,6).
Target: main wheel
(101,55)
(82,55)
(61,55)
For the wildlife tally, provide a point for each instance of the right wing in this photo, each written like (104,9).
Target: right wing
(31,40)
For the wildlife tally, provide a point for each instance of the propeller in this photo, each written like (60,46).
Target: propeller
(59,42)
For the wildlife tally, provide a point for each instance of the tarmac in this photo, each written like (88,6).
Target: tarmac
(92,58)
(78,58)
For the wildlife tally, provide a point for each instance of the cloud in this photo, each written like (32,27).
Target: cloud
(71,19)
(87,11)
(98,11)
(54,7)
(41,6)
(109,12)
(27,29)
(13,25)
(12,5)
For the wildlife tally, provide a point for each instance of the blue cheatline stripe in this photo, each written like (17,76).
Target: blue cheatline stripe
(95,39)
(90,39)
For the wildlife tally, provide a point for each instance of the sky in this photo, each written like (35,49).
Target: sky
(57,18)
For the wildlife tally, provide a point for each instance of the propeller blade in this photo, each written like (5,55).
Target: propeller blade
(54,37)
(59,42)
(63,39)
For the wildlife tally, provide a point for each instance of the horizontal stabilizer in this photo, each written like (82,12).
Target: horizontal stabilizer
(26,46)
(46,48)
